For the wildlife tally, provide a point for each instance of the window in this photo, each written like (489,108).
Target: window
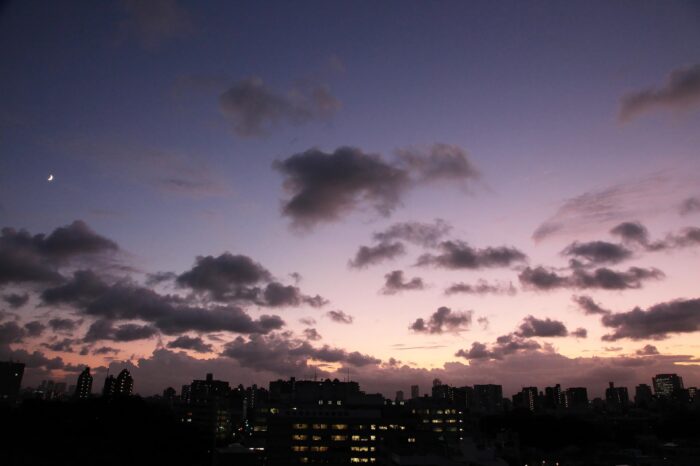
(320,426)
(300,426)
(299,437)
(339,438)
(319,448)
(339,426)
(299,448)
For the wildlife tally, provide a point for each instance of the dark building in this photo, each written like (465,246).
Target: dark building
(399,396)
(528,398)
(667,385)
(10,379)
(415,391)
(643,395)
(83,389)
(576,398)
(553,397)
(442,391)
(208,405)
(616,397)
(124,384)
(110,387)
(203,391)
(488,398)
(169,394)
(185,394)
(50,390)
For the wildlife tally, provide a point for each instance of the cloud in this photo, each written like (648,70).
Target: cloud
(153,279)
(61,346)
(580,333)
(689,206)
(437,162)
(541,279)
(505,345)
(419,233)
(190,343)
(253,109)
(589,306)
(34,328)
(679,316)
(681,91)
(632,232)
(370,255)
(102,350)
(156,22)
(459,255)
(10,332)
(311,334)
(61,325)
(37,258)
(276,295)
(323,186)
(444,320)
(105,330)
(481,287)
(339,317)
(16,300)
(534,327)
(396,283)
(636,233)
(648,350)
(308,321)
(598,252)
(282,355)
(223,275)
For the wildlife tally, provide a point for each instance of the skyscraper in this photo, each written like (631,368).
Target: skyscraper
(667,385)
(415,392)
(124,383)
(616,397)
(110,387)
(642,395)
(83,388)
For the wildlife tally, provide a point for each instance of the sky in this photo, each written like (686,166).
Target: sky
(480,192)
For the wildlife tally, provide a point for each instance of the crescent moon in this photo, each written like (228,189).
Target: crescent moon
(50,178)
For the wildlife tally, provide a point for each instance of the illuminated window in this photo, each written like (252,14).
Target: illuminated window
(299,448)
(316,438)
(411,440)
(274,411)
(303,459)
(373,427)
(320,426)
(359,448)
(319,448)
(356,438)
(300,426)
(260,429)
(339,426)
(298,437)
(339,438)
(372,437)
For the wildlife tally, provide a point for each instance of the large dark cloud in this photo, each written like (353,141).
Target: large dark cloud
(419,233)
(459,255)
(106,330)
(648,350)
(223,275)
(62,346)
(276,295)
(598,252)
(657,322)
(689,206)
(282,355)
(444,320)
(505,345)
(370,255)
(437,162)
(37,258)
(481,287)
(636,233)
(534,327)
(539,278)
(323,186)
(589,306)
(253,109)
(59,324)
(81,289)
(395,283)
(16,300)
(11,332)
(340,317)
(190,343)
(34,328)
(312,334)
(681,91)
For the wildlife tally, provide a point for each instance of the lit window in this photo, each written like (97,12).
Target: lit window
(319,448)
(339,438)
(300,426)
(339,426)
(298,437)
(320,426)
(299,448)
(316,438)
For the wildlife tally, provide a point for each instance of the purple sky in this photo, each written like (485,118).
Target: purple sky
(476,191)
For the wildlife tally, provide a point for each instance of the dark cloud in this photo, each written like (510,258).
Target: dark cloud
(459,255)
(16,300)
(534,327)
(396,283)
(34,328)
(62,325)
(580,333)
(153,279)
(542,279)
(689,206)
(370,255)
(84,287)
(481,287)
(323,186)
(632,232)
(598,252)
(421,234)
(62,346)
(681,91)
(105,330)
(223,275)
(27,258)
(308,321)
(276,295)
(10,332)
(102,350)
(339,317)
(311,334)
(505,345)
(589,306)
(438,162)
(33,360)
(156,22)
(253,109)
(190,343)
(648,350)
(686,238)
(444,320)
(284,356)
(679,316)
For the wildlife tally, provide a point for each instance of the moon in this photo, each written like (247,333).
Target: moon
(50,178)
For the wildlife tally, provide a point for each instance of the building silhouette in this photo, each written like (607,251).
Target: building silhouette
(83,388)
(10,380)
(124,384)
(667,385)
(553,397)
(576,398)
(643,395)
(616,397)
(110,387)
(415,391)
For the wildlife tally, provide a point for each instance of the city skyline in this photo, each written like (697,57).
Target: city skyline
(478,193)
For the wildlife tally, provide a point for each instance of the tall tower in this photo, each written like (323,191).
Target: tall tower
(110,387)
(125,383)
(83,388)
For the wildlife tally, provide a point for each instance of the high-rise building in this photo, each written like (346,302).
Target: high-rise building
(399,396)
(616,397)
(643,395)
(125,383)
(83,389)
(110,387)
(529,398)
(10,379)
(553,397)
(667,385)
(415,392)
(488,397)
(576,398)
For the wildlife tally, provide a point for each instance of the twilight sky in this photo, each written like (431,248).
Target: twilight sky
(483,192)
